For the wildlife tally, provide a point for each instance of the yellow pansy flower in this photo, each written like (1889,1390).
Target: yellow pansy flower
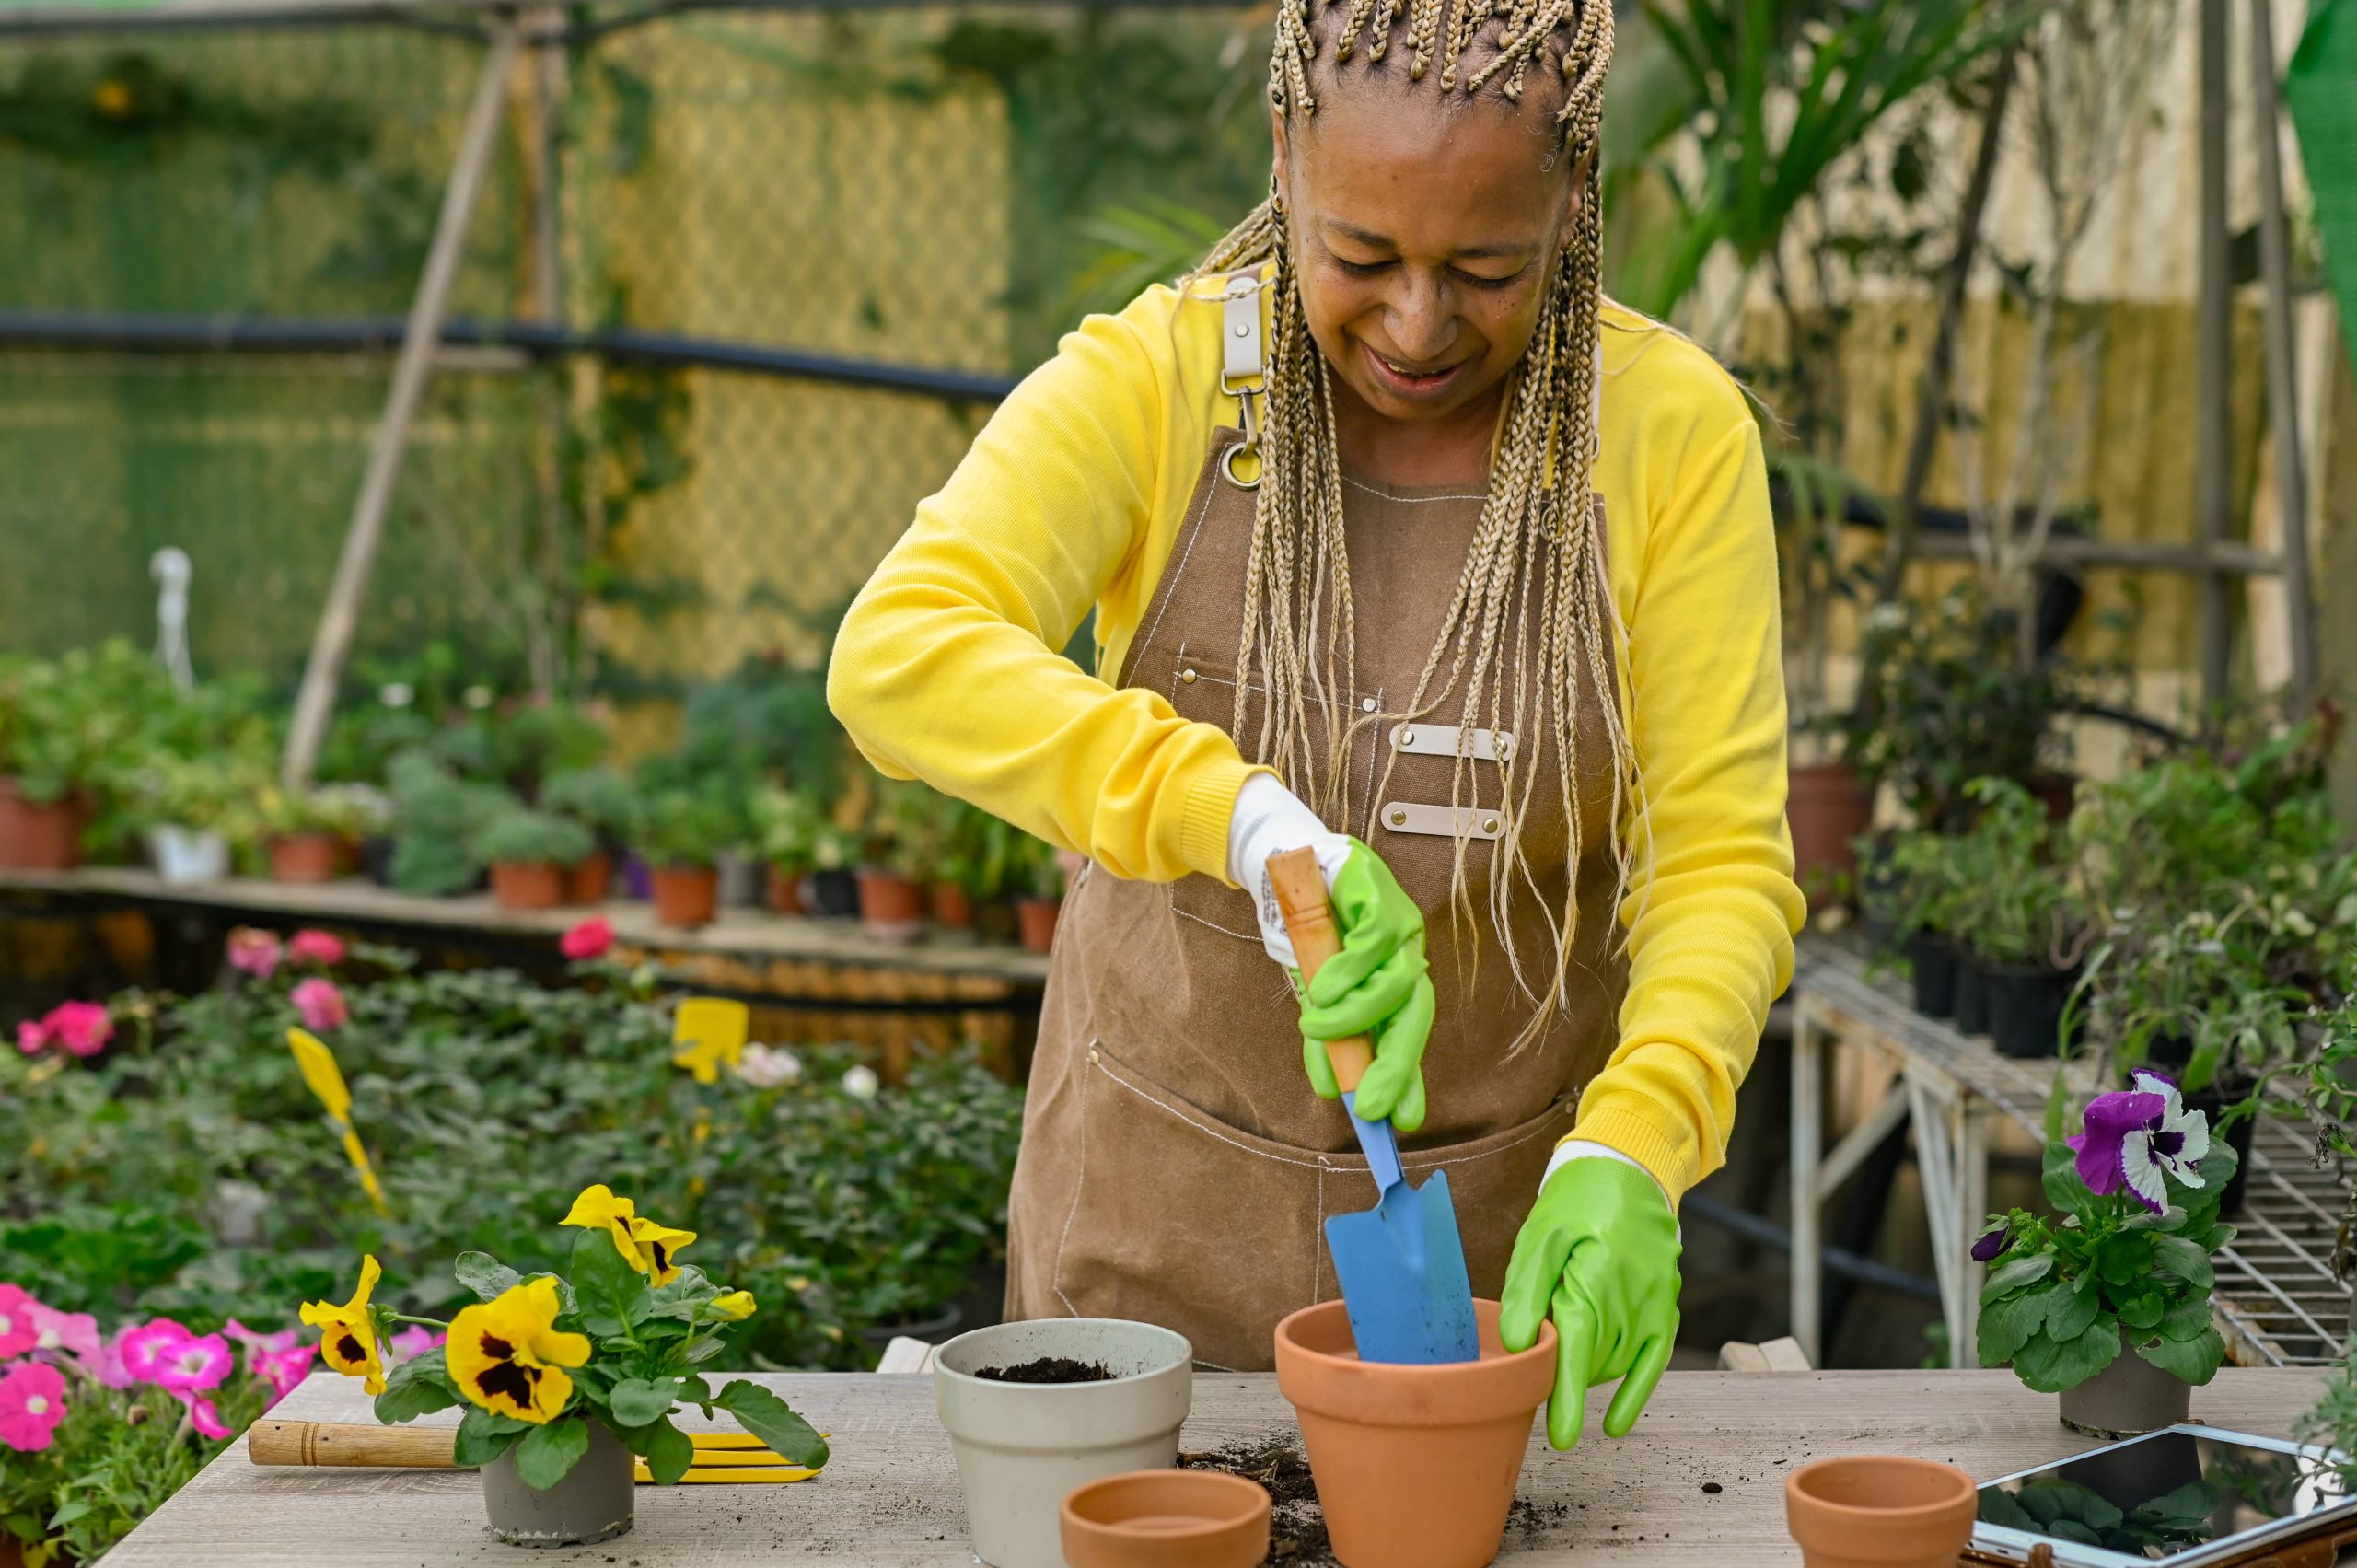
(733,1306)
(656,1243)
(644,1244)
(506,1355)
(347,1333)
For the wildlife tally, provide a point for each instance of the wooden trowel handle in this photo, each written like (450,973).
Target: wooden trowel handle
(1309,921)
(272,1442)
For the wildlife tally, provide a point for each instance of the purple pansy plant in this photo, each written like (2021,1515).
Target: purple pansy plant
(2138,1137)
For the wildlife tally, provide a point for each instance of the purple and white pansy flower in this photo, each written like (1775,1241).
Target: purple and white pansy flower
(2138,1137)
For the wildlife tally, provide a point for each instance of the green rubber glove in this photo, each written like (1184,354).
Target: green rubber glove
(1599,1251)
(1378,985)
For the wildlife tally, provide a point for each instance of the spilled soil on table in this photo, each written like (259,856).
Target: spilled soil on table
(1297,1537)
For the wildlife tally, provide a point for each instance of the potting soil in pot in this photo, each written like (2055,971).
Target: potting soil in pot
(1297,1537)
(1049,1369)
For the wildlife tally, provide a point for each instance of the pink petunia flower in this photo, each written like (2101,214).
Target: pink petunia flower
(71,1333)
(320,948)
(196,1364)
(255,952)
(415,1340)
(107,1368)
(320,1005)
(18,1333)
(590,939)
(82,1028)
(204,1416)
(32,1401)
(143,1347)
(258,1343)
(32,1036)
(284,1370)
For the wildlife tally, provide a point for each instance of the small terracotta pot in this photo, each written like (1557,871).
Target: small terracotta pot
(783,891)
(1460,1429)
(891,908)
(588,882)
(305,857)
(952,910)
(685,895)
(2130,1395)
(594,1502)
(1879,1511)
(1167,1519)
(1036,920)
(527,883)
(38,837)
(1827,806)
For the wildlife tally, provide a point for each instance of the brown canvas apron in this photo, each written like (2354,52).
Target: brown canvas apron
(1176,1167)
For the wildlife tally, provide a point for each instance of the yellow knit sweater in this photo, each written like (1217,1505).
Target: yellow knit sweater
(945,670)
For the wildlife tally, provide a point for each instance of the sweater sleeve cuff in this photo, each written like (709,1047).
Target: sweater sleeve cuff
(1203,823)
(1640,1128)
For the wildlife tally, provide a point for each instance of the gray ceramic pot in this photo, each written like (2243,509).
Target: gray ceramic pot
(592,1503)
(2130,1395)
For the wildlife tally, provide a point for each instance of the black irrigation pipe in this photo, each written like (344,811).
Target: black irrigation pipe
(158,333)
(1839,1260)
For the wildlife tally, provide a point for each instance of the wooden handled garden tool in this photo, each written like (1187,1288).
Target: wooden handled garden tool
(1402,1262)
(733,1458)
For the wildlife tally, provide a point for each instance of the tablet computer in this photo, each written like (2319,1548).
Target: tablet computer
(2189,1496)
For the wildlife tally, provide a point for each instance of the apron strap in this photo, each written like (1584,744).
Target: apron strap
(1244,370)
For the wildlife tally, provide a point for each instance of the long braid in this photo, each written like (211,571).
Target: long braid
(1534,589)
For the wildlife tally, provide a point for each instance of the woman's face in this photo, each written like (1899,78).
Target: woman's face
(1424,236)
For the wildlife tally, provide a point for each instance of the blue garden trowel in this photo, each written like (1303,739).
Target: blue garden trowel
(1401,1263)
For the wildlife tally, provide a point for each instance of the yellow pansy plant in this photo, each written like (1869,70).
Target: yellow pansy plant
(507,1355)
(348,1333)
(645,1245)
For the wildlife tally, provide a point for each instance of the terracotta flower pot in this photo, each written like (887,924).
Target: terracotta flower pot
(1460,1429)
(1167,1519)
(528,884)
(588,882)
(305,857)
(891,908)
(1879,1510)
(685,895)
(952,910)
(1827,806)
(2130,1395)
(783,891)
(1036,921)
(594,1502)
(38,837)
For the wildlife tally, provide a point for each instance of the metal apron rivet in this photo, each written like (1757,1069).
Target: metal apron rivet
(1399,819)
(1188,676)
(1489,824)
(1366,704)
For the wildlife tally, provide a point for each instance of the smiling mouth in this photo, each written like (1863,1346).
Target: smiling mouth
(1408,381)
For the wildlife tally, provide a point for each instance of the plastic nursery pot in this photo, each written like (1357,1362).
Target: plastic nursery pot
(783,892)
(834,893)
(2026,1003)
(2213,1102)
(38,837)
(744,881)
(183,855)
(1971,994)
(1167,1519)
(592,1503)
(951,908)
(527,883)
(1034,922)
(305,857)
(1879,1509)
(1827,806)
(588,882)
(2130,1395)
(891,908)
(685,895)
(1415,1466)
(1933,957)
(1021,1448)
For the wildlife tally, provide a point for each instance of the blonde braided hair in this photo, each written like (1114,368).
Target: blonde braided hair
(1538,537)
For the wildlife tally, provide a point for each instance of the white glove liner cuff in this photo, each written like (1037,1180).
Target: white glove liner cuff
(1572,1149)
(1269,819)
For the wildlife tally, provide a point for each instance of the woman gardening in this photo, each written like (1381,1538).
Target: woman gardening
(1406,547)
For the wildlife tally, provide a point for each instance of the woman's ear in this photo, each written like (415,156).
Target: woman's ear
(1277,139)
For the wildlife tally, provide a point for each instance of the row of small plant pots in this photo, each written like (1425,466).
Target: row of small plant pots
(2019,1007)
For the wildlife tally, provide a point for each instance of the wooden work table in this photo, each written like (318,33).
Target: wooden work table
(889,1499)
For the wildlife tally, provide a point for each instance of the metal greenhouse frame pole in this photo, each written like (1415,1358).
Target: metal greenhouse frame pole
(420,341)
(2282,361)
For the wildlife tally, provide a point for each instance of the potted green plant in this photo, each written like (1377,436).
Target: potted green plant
(686,830)
(564,1379)
(898,854)
(2127,1267)
(314,833)
(2020,917)
(197,810)
(978,851)
(70,727)
(606,803)
(1925,889)
(1039,896)
(438,817)
(794,838)
(530,854)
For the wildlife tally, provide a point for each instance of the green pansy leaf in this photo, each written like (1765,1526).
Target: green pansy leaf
(2142,1311)
(772,1421)
(694,1390)
(637,1401)
(613,1295)
(2059,1174)
(705,1350)
(2195,1360)
(2069,1312)
(2020,1272)
(2121,1260)
(419,1385)
(2071,1530)
(639,1440)
(2216,1169)
(2187,1319)
(684,1295)
(670,1454)
(2182,1259)
(486,1275)
(548,1454)
(2051,1366)
(2005,1325)
(483,1437)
